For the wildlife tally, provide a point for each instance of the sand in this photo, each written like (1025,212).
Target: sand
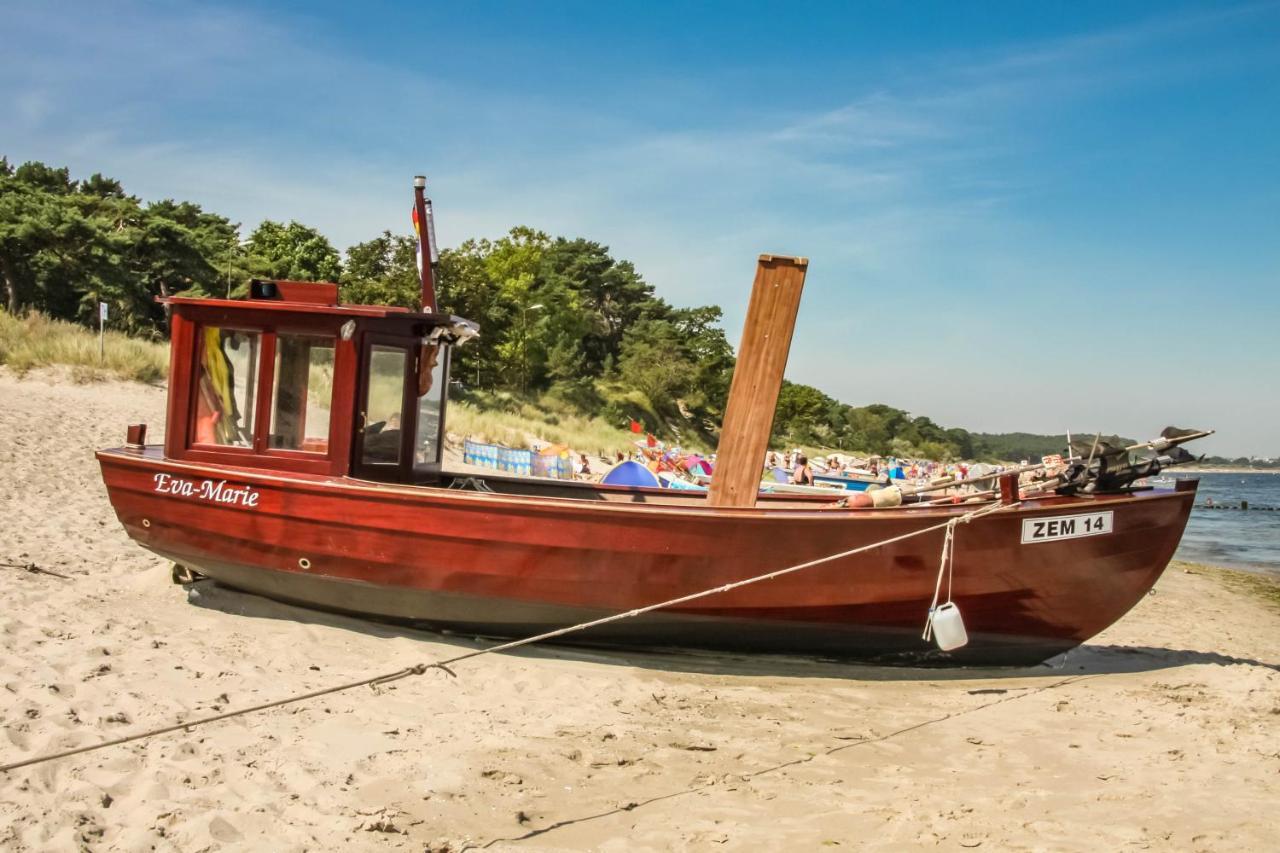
(1162,733)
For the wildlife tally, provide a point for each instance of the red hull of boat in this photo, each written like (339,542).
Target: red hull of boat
(506,565)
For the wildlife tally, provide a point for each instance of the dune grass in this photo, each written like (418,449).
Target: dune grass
(519,429)
(36,341)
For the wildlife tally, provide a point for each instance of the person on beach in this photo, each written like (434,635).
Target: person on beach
(802,476)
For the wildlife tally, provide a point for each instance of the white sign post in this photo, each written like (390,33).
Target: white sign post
(102,325)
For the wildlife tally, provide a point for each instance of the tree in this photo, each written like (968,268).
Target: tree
(519,336)
(294,251)
(66,246)
(611,294)
(226,269)
(383,271)
(21,238)
(801,414)
(463,288)
(50,252)
(46,178)
(654,362)
(704,341)
(102,187)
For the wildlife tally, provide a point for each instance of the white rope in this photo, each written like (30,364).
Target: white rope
(944,568)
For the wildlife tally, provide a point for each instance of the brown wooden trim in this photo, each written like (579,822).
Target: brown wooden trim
(180,364)
(262,400)
(294,453)
(346,364)
(245,458)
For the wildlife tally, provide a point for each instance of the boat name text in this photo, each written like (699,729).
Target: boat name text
(1066,527)
(207,490)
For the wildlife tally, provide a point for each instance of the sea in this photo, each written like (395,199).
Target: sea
(1226,535)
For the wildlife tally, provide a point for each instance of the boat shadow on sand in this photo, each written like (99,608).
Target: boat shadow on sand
(1088,659)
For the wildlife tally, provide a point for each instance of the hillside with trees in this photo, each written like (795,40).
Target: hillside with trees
(562,320)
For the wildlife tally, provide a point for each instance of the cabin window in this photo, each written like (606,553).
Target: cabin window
(302,393)
(426,447)
(227,385)
(382,411)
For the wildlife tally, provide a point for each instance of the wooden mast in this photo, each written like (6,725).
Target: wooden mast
(757,380)
(422,224)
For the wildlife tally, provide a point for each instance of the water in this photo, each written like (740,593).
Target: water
(1231,537)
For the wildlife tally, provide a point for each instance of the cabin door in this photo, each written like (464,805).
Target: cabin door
(386,409)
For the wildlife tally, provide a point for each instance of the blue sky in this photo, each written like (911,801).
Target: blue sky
(1023,216)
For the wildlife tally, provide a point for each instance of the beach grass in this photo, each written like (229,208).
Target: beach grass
(530,423)
(35,341)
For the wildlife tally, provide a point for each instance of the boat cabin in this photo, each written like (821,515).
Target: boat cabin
(290,380)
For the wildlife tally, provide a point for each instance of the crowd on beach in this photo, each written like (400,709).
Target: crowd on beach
(791,466)
(801,469)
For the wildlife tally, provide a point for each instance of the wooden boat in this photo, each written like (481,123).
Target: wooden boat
(848,481)
(284,472)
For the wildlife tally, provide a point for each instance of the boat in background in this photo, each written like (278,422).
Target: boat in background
(851,481)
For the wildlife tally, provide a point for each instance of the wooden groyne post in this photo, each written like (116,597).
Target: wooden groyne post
(757,380)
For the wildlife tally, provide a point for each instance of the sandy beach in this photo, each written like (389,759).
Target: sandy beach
(1162,733)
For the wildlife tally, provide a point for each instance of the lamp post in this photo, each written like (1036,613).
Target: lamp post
(524,344)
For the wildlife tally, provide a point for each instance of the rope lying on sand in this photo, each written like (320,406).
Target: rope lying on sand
(34,569)
(421,668)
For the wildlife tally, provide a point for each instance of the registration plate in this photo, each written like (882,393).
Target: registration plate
(1066,527)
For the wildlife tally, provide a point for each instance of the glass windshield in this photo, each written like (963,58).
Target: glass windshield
(302,393)
(426,447)
(383,399)
(226,387)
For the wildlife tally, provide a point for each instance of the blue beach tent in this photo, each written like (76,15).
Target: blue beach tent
(630,473)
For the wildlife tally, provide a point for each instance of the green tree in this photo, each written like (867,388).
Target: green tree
(24,218)
(67,245)
(46,178)
(705,343)
(520,335)
(611,295)
(801,414)
(295,252)
(654,362)
(463,287)
(174,249)
(383,271)
(50,251)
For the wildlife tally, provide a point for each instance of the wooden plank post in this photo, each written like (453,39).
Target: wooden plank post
(757,380)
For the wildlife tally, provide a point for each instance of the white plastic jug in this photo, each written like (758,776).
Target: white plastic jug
(948,627)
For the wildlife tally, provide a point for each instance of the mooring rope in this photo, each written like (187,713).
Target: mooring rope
(443,665)
(34,569)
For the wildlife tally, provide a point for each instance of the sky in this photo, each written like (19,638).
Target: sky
(1019,217)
